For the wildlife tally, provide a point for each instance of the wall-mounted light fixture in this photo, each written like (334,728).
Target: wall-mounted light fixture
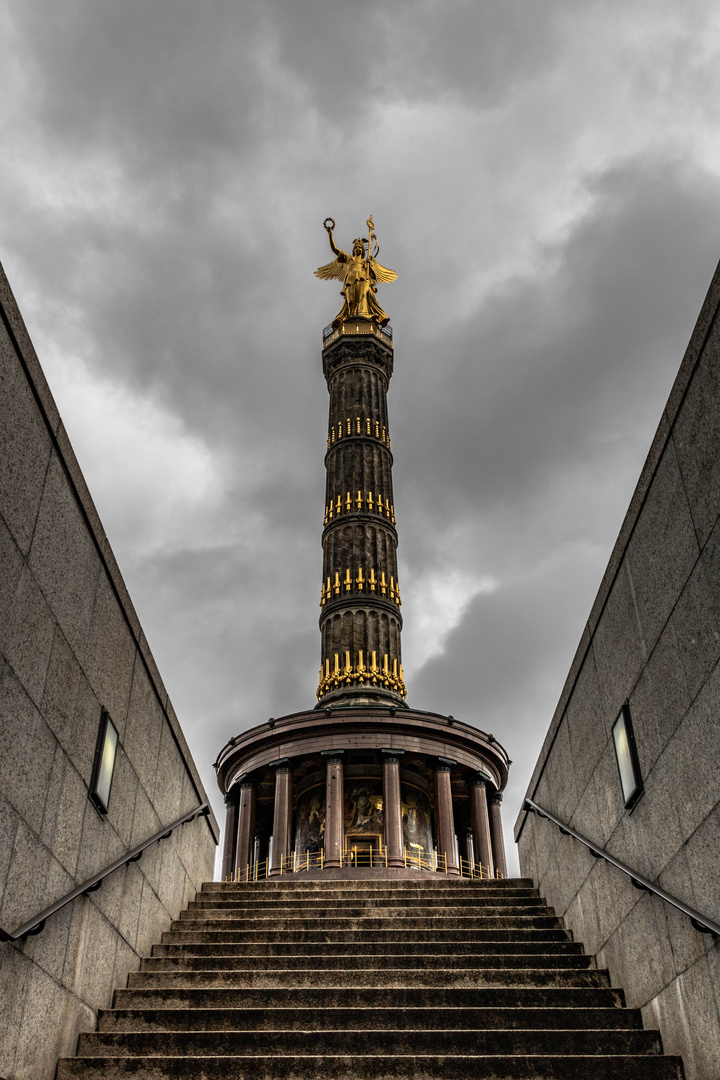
(104,763)
(627,758)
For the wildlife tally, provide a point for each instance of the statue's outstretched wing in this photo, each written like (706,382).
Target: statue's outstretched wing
(334,269)
(381,273)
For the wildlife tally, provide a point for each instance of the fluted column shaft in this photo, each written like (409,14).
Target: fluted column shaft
(392,808)
(230,841)
(334,807)
(282,818)
(444,817)
(480,823)
(360,620)
(245,825)
(496,833)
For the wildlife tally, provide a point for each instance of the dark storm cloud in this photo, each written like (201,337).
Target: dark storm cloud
(544,179)
(554,365)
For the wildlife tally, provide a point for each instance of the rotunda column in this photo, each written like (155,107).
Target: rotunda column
(467,851)
(262,848)
(496,833)
(444,814)
(480,822)
(230,841)
(334,807)
(283,814)
(245,825)
(392,807)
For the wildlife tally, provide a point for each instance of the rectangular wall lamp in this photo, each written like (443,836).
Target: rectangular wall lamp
(627,758)
(104,763)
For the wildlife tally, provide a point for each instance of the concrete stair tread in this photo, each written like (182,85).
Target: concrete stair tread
(378,1067)
(376,978)
(435,884)
(444,1041)
(363,962)
(371,918)
(269,950)
(389,997)
(421,1017)
(551,933)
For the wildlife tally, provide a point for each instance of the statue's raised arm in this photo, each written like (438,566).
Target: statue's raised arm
(359,272)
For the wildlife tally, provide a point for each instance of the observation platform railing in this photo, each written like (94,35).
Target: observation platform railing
(352,327)
(418,859)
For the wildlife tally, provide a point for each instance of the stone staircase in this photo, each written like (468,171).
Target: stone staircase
(351,980)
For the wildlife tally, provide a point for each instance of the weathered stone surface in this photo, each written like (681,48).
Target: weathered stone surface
(27,634)
(70,643)
(25,446)
(619,646)
(110,655)
(144,729)
(696,617)
(663,549)
(68,584)
(27,751)
(654,632)
(660,699)
(61,828)
(697,440)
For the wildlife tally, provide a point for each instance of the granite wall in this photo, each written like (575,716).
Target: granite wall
(71,644)
(653,638)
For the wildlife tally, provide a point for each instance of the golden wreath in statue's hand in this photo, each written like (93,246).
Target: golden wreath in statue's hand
(329,224)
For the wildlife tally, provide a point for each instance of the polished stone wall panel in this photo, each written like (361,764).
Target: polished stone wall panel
(653,638)
(71,644)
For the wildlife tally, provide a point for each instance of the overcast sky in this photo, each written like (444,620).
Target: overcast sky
(545,179)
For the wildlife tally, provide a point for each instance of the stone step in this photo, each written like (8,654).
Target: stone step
(440,883)
(375,1067)
(430,949)
(442,1041)
(188,932)
(414,1018)
(552,997)
(215,932)
(253,894)
(361,961)
(231,921)
(378,978)
(281,913)
(502,903)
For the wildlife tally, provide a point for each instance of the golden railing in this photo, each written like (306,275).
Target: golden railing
(417,859)
(357,326)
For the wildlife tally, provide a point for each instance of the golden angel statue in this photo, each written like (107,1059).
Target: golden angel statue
(360,274)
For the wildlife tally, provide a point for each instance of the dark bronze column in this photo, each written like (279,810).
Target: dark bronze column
(282,818)
(360,618)
(444,818)
(334,807)
(245,825)
(481,823)
(496,833)
(229,843)
(392,807)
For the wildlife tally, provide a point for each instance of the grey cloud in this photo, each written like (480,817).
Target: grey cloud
(559,363)
(168,169)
